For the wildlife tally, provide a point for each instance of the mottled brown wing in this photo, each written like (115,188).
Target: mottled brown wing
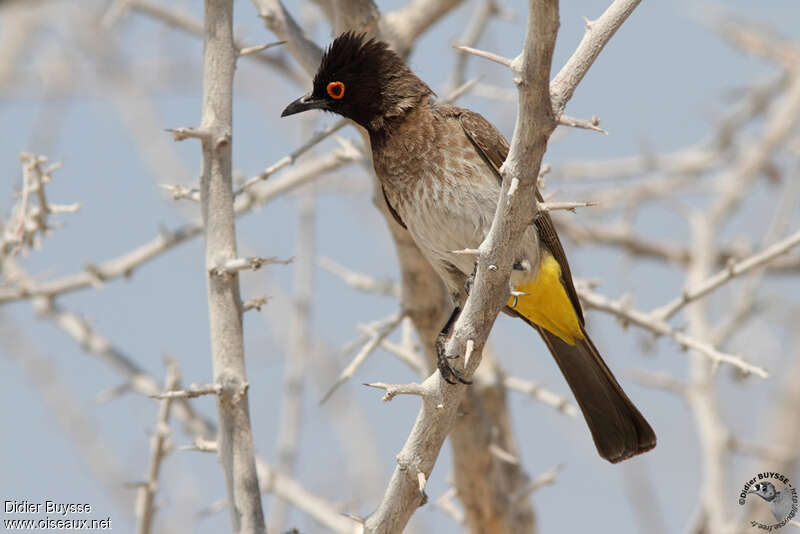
(493,148)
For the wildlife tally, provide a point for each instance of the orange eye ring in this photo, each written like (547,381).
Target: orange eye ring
(336,90)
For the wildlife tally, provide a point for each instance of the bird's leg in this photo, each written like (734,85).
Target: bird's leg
(451,375)
(471,278)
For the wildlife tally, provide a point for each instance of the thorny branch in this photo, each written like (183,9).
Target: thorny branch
(159,448)
(535,123)
(235,438)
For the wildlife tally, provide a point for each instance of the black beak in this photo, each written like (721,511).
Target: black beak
(303,104)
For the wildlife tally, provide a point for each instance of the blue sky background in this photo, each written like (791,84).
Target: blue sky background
(658,85)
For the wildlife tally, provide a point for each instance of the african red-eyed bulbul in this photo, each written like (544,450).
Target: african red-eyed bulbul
(439,167)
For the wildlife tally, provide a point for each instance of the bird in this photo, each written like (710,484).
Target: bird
(779,502)
(439,171)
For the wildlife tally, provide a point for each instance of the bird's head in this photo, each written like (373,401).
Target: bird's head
(363,80)
(765,490)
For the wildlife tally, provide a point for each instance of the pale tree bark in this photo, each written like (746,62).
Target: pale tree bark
(235,440)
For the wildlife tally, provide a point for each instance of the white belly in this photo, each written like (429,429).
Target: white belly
(444,220)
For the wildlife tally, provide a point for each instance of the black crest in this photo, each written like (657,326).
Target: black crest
(377,83)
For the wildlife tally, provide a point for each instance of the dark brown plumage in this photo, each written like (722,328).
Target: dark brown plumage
(439,169)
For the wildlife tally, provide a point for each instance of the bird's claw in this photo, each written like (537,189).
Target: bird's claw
(450,375)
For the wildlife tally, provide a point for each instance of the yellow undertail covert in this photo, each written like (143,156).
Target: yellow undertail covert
(547,304)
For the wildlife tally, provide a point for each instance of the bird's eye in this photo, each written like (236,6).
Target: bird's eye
(336,90)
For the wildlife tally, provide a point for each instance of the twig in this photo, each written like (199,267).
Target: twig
(393,390)
(461,90)
(29,216)
(386,327)
(662,381)
(292,156)
(194,27)
(360,281)
(191,392)
(598,33)
(541,394)
(566,206)
(196,424)
(255,303)
(127,263)
(158,450)
(545,479)
(446,503)
(68,412)
(506,62)
(659,327)
(403,26)
(591,124)
(405,355)
(200,444)
(734,269)
(246,51)
(252,263)
(472,33)
(285,28)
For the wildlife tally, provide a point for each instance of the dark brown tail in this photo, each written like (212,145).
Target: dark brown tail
(618,429)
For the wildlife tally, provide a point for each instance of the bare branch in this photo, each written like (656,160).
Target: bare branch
(598,33)
(29,220)
(506,62)
(125,264)
(260,48)
(360,281)
(402,27)
(591,124)
(254,303)
(392,390)
(183,133)
(446,504)
(235,440)
(158,450)
(545,479)
(628,315)
(472,33)
(663,381)
(285,28)
(541,394)
(200,444)
(734,269)
(189,25)
(196,424)
(191,392)
(289,159)
(252,263)
(567,206)
(386,327)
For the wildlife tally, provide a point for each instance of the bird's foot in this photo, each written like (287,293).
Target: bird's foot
(451,375)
